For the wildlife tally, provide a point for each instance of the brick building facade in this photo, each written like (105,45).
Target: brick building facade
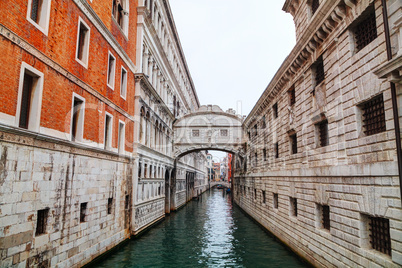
(322,166)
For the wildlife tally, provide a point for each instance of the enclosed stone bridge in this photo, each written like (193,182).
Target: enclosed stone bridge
(208,128)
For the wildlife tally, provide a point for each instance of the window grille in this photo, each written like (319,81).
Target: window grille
(374,116)
(323,133)
(366,31)
(109,205)
(380,238)
(315,5)
(292,96)
(83,211)
(319,71)
(41,221)
(275,110)
(276,201)
(293,143)
(276,145)
(224,132)
(325,217)
(293,204)
(196,133)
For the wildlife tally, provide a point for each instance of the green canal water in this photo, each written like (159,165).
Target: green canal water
(210,232)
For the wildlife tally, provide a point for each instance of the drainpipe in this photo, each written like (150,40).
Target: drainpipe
(393,95)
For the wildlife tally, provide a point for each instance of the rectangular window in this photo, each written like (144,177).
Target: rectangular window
(276,148)
(109,205)
(326,224)
(380,238)
(108,131)
(293,206)
(373,116)
(276,201)
(275,110)
(292,96)
(30,98)
(123,83)
(195,133)
(365,31)
(264,122)
(39,14)
(77,122)
(322,130)
(293,143)
(319,73)
(264,152)
(263,197)
(122,129)
(83,211)
(83,34)
(255,194)
(224,132)
(255,130)
(41,221)
(315,4)
(111,68)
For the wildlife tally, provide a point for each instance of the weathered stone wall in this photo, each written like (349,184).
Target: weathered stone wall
(36,175)
(148,213)
(354,174)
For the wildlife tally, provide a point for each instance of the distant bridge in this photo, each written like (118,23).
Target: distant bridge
(223,183)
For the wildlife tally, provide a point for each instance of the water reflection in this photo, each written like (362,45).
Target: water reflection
(206,233)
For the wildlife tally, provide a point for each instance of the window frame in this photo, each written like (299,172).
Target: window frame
(43,24)
(121,137)
(85,52)
(112,84)
(108,144)
(80,134)
(36,102)
(123,84)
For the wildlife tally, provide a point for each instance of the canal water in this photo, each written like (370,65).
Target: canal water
(210,232)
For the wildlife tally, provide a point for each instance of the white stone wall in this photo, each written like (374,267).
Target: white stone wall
(355,175)
(34,177)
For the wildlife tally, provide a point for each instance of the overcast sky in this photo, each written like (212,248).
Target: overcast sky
(233,47)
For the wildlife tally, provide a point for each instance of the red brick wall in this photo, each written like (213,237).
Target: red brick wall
(60,46)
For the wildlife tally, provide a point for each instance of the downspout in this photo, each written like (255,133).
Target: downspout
(393,95)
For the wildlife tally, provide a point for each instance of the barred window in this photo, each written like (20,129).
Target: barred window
(293,143)
(319,71)
(41,221)
(323,133)
(276,147)
(380,238)
(292,96)
(373,116)
(83,211)
(326,224)
(366,29)
(224,132)
(315,4)
(195,133)
(276,201)
(275,110)
(293,206)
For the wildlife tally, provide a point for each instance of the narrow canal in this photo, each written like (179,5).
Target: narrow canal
(210,232)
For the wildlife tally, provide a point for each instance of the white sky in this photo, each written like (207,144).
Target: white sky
(233,48)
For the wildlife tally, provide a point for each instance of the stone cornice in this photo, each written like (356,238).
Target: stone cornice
(23,44)
(104,31)
(392,70)
(324,22)
(146,85)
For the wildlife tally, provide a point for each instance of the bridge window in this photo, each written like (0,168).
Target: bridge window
(224,132)
(195,133)
(275,110)
(276,201)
